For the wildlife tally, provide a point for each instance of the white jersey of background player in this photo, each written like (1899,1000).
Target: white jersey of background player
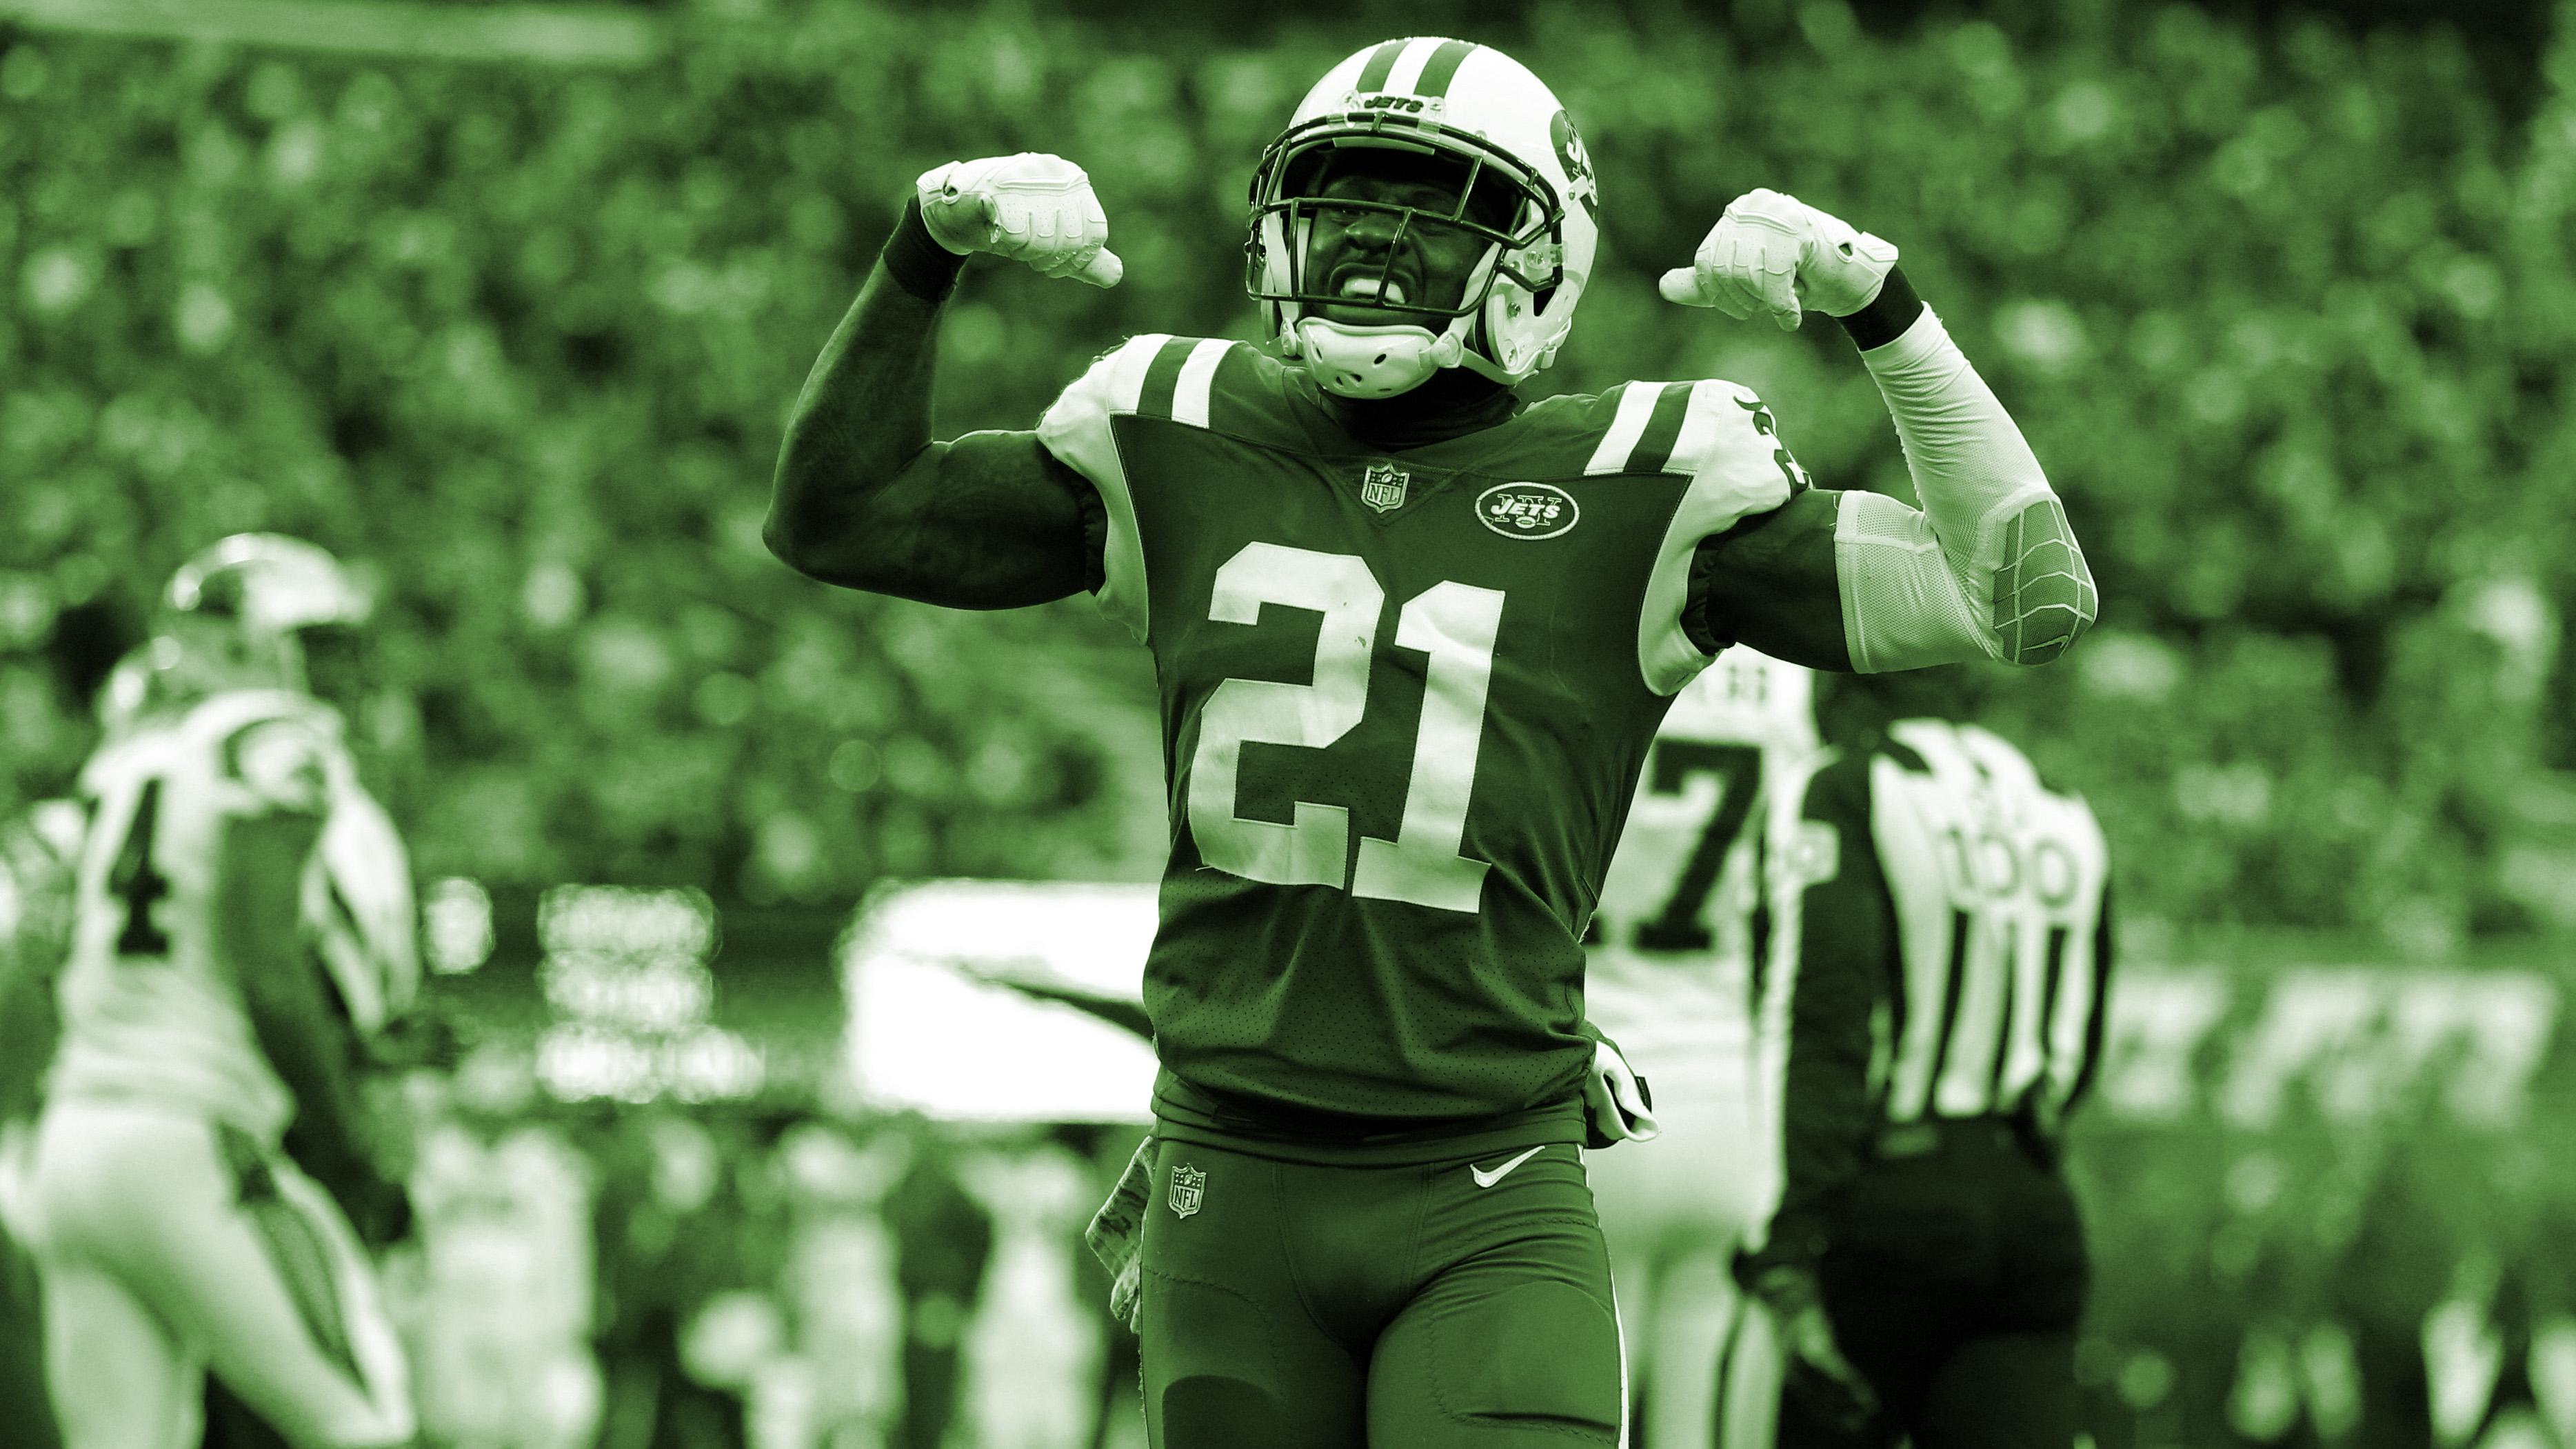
(1671,962)
(171,1233)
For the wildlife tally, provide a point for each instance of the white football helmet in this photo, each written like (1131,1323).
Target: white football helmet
(232,613)
(1432,96)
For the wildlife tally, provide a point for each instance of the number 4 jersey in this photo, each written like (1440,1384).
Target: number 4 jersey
(150,1010)
(1405,699)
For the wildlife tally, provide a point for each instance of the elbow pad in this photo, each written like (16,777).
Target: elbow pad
(1988,568)
(1907,603)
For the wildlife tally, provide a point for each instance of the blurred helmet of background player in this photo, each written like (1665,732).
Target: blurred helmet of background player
(1672,953)
(261,611)
(171,1230)
(1930,1012)
(1412,236)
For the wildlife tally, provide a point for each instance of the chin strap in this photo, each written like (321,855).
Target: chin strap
(1375,362)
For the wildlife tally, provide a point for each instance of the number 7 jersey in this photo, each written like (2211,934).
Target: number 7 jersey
(1405,698)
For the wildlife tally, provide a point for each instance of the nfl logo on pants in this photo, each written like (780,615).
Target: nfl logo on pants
(1189,1186)
(1382,487)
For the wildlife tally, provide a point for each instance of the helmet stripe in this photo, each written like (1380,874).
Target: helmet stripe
(1408,66)
(1380,61)
(1441,69)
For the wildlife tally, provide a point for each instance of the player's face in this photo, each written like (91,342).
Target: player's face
(1349,251)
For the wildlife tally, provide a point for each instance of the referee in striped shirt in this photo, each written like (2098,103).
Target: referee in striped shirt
(1929,1012)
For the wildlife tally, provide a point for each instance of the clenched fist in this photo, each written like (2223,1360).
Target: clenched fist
(1773,255)
(1031,208)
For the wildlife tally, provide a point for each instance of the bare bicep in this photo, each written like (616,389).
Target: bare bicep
(991,520)
(1771,583)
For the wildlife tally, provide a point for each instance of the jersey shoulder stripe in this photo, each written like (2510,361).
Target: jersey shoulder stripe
(282,763)
(1201,382)
(1076,429)
(1583,435)
(271,750)
(1673,401)
(1198,382)
(1621,414)
(1158,393)
(1680,429)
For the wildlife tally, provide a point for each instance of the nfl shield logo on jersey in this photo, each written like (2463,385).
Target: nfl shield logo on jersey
(1382,487)
(1189,1186)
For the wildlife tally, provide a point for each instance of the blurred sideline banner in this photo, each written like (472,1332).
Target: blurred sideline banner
(634,994)
(1009,1001)
(1001,1001)
(1021,1001)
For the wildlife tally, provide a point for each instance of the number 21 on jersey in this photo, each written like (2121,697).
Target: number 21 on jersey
(1455,624)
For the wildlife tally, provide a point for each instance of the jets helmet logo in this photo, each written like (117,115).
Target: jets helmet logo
(1570,154)
(1382,487)
(1189,1188)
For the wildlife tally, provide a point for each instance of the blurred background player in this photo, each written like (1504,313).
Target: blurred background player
(39,851)
(1672,952)
(1931,1013)
(171,1233)
(361,922)
(36,856)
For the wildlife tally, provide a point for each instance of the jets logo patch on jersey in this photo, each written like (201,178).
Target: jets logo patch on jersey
(1527,510)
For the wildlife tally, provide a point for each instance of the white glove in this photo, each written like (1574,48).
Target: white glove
(1031,208)
(1770,250)
(1614,1102)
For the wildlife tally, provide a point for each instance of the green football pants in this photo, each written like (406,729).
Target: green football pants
(1293,1306)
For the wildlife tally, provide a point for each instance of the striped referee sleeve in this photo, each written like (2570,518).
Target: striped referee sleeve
(2099,1012)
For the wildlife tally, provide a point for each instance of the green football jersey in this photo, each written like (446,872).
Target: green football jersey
(1405,699)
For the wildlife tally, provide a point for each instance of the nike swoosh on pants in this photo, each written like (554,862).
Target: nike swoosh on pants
(1488,1179)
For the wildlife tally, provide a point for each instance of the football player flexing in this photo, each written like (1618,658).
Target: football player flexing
(170,1232)
(1413,639)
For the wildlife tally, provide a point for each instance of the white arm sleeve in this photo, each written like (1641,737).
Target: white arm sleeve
(1989,568)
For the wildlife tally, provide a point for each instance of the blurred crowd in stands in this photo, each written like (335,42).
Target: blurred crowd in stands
(2283,304)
